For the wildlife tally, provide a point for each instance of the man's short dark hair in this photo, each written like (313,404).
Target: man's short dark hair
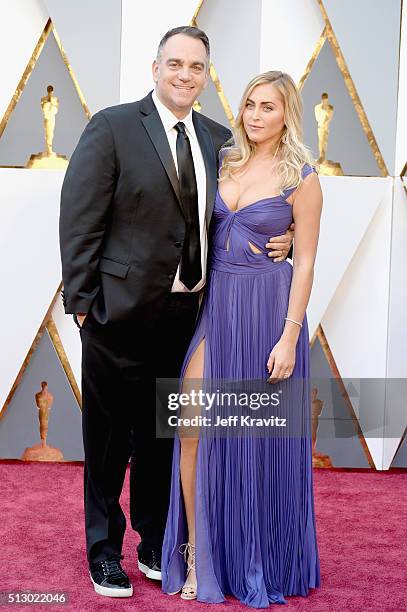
(187,31)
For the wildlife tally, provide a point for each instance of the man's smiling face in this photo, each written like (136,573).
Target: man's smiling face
(181,73)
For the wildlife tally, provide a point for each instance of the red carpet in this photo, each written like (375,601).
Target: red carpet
(362,534)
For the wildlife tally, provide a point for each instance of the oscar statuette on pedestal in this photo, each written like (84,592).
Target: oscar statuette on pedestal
(48,159)
(323,114)
(42,452)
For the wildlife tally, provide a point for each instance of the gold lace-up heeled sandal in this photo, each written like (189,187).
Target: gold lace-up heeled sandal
(189,591)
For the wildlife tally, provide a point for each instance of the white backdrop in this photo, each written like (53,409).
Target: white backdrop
(359,292)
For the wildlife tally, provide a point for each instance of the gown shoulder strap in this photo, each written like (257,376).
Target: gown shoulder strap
(307,169)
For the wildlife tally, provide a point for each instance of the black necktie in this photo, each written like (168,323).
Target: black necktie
(190,271)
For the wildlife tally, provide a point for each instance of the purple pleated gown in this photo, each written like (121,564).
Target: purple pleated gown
(254,508)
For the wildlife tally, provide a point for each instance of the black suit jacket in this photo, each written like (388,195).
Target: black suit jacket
(121,221)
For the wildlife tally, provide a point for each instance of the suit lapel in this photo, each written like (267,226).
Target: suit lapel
(209,157)
(155,130)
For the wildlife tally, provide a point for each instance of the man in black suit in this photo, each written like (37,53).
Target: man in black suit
(136,205)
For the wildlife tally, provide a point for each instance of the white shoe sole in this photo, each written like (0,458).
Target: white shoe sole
(153,574)
(109,592)
(188,597)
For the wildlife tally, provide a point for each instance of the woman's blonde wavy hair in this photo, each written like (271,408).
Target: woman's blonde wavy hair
(293,154)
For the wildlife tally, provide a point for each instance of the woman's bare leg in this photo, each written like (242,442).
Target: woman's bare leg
(189,438)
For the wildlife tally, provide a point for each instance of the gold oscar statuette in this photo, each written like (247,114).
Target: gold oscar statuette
(323,115)
(48,158)
(318,459)
(42,452)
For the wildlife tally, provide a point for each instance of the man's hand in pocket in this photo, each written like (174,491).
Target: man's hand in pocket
(81,318)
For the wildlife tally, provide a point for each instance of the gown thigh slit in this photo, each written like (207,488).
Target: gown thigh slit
(254,509)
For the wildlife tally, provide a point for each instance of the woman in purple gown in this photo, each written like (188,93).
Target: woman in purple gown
(241,519)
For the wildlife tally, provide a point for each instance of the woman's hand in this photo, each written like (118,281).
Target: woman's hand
(281,362)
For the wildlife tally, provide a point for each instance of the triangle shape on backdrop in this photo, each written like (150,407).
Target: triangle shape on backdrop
(94,52)
(24,134)
(396,364)
(403,176)
(27,248)
(366,60)
(213,101)
(68,338)
(196,12)
(240,17)
(280,49)
(59,347)
(347,140)
(339,442)
(391,444)
(20,51)
(356,320)
(355,199)
(211,106)
(356,324)
(317,49)
(400,456)
(49,326)
(19,425)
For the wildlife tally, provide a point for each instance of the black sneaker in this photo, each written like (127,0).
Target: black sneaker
(150,564)
(109,578)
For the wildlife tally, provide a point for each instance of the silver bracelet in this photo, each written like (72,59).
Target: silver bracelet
(298,323)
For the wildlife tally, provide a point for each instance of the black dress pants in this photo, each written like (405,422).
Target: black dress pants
(120,362)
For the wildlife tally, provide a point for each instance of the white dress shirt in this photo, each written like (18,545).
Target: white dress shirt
(169,121)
